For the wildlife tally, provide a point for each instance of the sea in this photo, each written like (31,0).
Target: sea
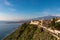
(7,28)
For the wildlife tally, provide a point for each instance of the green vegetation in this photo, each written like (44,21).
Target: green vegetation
(54,25)
(30,32)
(53,22)
(57,25)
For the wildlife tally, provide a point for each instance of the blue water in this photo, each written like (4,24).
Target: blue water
(5,28)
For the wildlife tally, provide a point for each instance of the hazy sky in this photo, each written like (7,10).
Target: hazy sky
(25,9)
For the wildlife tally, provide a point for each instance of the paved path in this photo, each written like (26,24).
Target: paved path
(54,33)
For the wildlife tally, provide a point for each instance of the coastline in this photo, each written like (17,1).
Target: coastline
(12,31)
(9,34)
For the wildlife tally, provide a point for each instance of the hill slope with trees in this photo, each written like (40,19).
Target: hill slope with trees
(30,32)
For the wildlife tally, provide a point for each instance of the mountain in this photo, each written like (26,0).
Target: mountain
(45,17)
(38,18)
(30,32)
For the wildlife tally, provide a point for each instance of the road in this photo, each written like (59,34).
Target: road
(52,32)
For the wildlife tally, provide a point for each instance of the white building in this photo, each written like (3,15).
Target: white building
(58,21)
(35,22)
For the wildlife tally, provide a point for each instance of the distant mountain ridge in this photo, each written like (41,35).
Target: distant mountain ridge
(38,18)
(45,17)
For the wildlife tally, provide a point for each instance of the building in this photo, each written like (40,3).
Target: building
(57,20)
(35,22)
(41,22)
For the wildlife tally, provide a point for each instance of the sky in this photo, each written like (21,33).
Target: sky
(27,9)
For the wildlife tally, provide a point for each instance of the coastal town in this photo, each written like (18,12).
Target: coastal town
(50,25)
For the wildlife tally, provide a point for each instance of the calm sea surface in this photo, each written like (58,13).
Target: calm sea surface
(5,28)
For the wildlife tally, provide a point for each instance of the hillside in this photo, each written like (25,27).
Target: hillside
(30,32)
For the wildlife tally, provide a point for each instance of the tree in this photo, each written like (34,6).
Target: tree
(52,23)
(57,25)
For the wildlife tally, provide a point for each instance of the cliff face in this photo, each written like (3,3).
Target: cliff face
(30,32)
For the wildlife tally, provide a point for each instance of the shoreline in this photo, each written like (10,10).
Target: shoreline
(12,31)
(9,33)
